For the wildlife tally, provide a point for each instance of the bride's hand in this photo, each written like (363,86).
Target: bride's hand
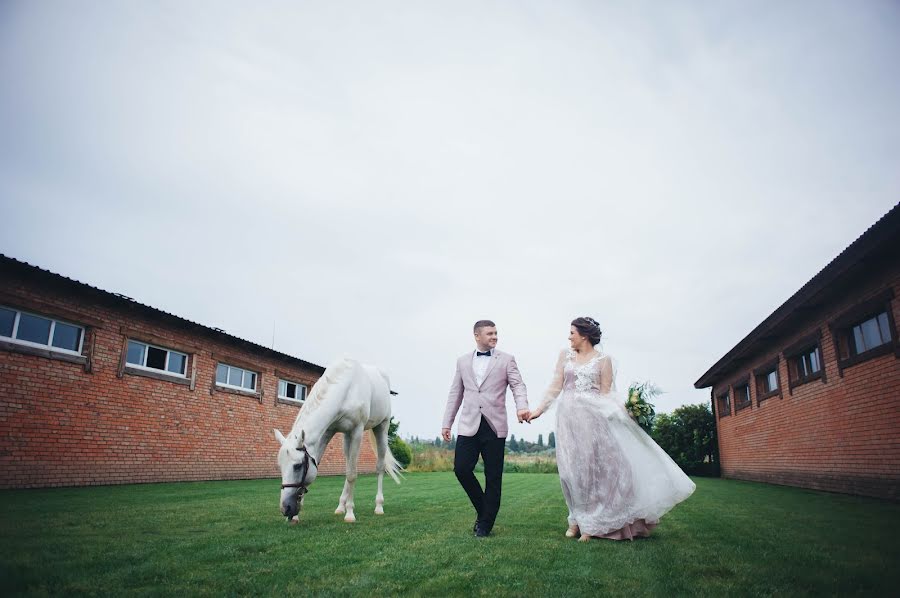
(536,413)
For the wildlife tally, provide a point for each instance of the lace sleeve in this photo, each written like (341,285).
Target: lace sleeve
(607,375)
(556,385)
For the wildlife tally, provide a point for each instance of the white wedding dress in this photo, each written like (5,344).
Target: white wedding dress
(616,480)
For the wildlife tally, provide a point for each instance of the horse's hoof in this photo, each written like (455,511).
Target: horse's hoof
(350,519)
(379,511)
(340,511)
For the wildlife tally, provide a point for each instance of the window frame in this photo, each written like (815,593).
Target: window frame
(742,383)
(145,368)
(225,385)
(842,331)
(49,346)
(726,397)
(802,347)
(286,399)
(761,375)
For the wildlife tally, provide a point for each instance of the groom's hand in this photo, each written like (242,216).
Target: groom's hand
(524,415)
(445,434)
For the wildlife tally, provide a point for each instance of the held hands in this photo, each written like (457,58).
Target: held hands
(524,415)
(535,414)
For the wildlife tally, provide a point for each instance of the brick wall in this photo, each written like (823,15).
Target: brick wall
(841,434)
(66,423)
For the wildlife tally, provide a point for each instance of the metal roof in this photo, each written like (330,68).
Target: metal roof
(117,299)
(882,236)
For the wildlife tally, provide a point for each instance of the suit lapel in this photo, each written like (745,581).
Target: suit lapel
(487,372)
(469,370)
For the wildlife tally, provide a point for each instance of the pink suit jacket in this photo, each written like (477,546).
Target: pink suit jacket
(489,399)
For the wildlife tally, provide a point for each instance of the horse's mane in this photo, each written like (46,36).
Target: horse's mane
(334,382)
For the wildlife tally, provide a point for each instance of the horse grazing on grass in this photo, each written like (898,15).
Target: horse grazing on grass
(350,398)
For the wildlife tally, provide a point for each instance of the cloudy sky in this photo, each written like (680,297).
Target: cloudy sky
(370,178)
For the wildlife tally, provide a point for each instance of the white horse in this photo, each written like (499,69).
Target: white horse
(350,398)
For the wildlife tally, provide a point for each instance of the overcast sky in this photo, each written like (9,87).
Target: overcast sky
(370,178)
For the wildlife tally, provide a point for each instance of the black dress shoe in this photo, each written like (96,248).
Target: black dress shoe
(475,527)
(481,532)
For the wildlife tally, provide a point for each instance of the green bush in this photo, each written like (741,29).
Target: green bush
(401,451)
(688,435)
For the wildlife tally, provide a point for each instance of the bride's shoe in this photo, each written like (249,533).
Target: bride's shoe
(584,538)
(572,531)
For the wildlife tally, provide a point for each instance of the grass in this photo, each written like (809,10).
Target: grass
(220,538)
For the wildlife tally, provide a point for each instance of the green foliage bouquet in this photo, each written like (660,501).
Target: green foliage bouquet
(638,403)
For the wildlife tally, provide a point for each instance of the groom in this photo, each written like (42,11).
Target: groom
(479,385)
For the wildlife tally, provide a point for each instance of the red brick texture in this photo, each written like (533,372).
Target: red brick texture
(840,433)
(65,423)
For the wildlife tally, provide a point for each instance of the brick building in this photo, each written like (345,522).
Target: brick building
(811,397)
(96,388)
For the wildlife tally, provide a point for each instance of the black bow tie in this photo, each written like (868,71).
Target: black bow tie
(485,353)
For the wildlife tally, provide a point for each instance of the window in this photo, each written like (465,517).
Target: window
(767,382)
(151,357)
(804,360)
(724,401)
(805,365)
(230,376)
(865,331)
(291,391)
(871,333)
(741,396)
(38,331)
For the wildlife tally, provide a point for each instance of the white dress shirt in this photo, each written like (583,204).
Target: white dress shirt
(479,365)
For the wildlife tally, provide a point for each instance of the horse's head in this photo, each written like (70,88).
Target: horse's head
(298,471)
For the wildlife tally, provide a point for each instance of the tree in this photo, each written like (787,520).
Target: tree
(688,435)
(513,445)
(541,440)
(551,440)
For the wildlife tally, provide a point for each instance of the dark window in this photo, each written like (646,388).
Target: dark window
(7,320)
(291,390)
(805,366)
(808,363)
(741,396)
(767,380)
(865,331)
(724,404)
(34,329)
(156,358)
(771,382)
(871,333)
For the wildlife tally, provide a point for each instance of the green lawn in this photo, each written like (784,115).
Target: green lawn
(228,538)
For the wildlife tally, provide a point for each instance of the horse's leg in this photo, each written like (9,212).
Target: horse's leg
(381,441)
(351,454)
(342,502)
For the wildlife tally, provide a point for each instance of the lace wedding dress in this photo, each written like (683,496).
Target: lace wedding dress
(616,480)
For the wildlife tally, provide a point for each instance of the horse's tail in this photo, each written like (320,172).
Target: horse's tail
(391,465)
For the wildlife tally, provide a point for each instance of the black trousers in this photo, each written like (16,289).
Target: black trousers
(486,444)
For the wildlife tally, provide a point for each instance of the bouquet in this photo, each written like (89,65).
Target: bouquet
(638,403)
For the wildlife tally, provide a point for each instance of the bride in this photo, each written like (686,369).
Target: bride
(616,481)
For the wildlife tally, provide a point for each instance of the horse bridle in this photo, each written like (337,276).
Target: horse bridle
(302,483)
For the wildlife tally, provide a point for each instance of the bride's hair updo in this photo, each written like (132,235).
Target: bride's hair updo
(588,328)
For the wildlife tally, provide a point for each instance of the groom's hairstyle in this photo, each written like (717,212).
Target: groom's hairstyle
(482,324)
